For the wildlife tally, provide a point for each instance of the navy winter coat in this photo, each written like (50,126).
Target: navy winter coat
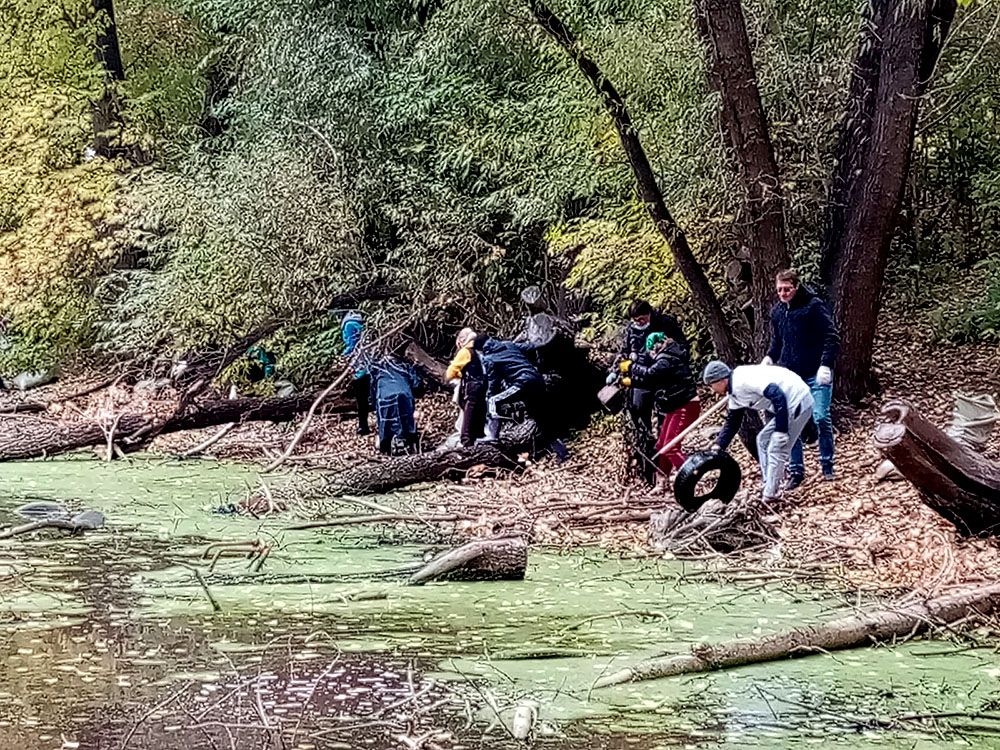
(803,335)
(669,377)
(506,365)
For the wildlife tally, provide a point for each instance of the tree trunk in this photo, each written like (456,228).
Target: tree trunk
(646,184)
(954,480)
(723,30)
(897,51)
(383,476)
(35,437)
(851,631)
(106,116)
(482,560)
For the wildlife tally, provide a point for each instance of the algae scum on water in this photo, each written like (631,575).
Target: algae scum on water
(109,640)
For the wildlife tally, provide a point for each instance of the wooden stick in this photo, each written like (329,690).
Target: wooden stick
(696,423)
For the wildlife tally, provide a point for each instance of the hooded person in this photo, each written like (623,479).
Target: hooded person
(393,387)
(352,331)
(675,399)
(467,368)
(644,320)
(512,376)
(776,390)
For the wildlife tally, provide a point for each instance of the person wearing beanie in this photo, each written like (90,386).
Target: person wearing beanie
(776,390)
(467,369)
(352,330)
(644,320)
(669,378)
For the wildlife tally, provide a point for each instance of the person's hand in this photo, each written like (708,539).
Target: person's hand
(624,366)
(715,448)
(824,376)
(767,361)
(611,379)
(779,440)
(627,381)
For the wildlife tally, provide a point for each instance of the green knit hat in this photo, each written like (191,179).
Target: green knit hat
(655,339)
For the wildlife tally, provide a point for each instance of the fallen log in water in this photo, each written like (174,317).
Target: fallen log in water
(504,559)
(851,631)
(382,476)
(23,437)
(958,483)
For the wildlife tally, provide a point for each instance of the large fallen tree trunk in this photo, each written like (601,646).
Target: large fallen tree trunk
(23,437)
(392,474)
(504,559)
(958,483)
(852,631)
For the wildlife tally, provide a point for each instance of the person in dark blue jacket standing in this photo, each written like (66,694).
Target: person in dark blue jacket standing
(804,340)
(512,376)
(393,384)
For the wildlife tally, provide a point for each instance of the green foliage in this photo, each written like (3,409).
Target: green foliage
(973,315)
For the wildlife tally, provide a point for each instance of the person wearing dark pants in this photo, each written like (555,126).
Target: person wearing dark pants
(393,385)
(511,376)
(644,320)
(467,368)
(352,330)
(675,399)
(804,340)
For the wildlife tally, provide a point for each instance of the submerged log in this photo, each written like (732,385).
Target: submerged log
(851,631)
(504,559)
(23,437)
(955,481)
(392,474)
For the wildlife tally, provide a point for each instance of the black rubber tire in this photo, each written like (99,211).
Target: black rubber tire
(696,468)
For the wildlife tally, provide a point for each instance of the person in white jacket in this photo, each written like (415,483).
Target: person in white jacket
(776,390)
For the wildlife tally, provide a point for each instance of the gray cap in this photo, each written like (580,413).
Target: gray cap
(715,371)
(531,295)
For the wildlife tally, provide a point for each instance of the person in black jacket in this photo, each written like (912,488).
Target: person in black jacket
(669,378)
(511,376)
(644,320)
(804,340)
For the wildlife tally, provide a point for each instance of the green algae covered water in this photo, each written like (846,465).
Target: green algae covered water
(108,640)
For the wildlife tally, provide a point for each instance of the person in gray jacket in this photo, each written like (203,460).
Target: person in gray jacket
(776,390)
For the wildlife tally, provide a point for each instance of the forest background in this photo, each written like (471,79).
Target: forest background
(176,173)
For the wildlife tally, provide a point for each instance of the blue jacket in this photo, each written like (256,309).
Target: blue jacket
(351,329)
(803,334)
(506,365)
(392,387)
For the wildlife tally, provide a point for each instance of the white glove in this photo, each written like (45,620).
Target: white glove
(779,441)
(824,376)
(612,377)
(767,361)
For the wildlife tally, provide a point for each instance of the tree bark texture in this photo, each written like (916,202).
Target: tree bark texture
(504,559)
(646,184)
(851,631)
(955,481)
(23,437)
(393,474)
(723,30)
(898,48)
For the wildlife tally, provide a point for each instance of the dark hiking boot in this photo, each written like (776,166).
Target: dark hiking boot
(364,430)
(793,481)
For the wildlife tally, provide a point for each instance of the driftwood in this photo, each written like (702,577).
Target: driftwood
(851,631)
(23,437)
(714,527)
(504,559)
(88,520)
(391,474)
(958,483)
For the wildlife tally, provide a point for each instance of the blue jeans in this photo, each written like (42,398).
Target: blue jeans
(822,396)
